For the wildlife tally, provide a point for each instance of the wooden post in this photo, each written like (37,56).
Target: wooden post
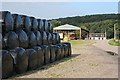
(80,33)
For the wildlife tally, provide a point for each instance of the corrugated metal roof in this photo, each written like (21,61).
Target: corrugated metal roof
(67,27)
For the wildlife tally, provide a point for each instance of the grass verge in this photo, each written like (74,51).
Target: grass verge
(81,42)
(114,42)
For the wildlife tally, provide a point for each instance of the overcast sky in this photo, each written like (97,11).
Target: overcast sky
(50,10)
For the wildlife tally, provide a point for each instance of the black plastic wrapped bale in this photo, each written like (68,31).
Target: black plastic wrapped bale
(69,48)
(50,27)
(65,50)
(3,43)
(49,38)
(11,40)
(20,58)
(7,21)
(44,36)
(40,55)
(1,40)
(46,54)
(32,59)
(53,39)
(23,38)
(57,52)
(7,64)
(26,23)
(57,38)
(45,25)
(18,24)
(52,53)
(0,24)
(38,37)
(40,25)
(31,39)
(62,50)
(34,24)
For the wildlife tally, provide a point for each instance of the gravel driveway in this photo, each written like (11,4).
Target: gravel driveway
(103,44)
(87,61)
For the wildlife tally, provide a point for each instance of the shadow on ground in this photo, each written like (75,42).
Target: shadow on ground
(111,53)
(45,67)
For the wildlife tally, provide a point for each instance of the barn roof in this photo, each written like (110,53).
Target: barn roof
(67,27)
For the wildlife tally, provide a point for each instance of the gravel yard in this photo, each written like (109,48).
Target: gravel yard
(87,61)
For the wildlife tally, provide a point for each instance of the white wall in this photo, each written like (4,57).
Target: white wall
(97,38)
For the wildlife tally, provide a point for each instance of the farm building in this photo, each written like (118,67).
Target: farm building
(73,32)
(97,36)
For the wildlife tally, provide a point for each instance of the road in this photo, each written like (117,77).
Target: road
(87,61)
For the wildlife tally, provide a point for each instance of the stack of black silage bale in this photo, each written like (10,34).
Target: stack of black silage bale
(28,43)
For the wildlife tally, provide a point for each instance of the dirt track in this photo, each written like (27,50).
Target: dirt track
(87,61)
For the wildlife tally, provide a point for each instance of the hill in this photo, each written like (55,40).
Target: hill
(93,23)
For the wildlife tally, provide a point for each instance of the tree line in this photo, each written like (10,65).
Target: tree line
(94,23)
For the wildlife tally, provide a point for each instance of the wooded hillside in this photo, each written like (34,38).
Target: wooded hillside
(93,23)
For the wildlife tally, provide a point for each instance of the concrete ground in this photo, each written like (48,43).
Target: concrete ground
(87,61)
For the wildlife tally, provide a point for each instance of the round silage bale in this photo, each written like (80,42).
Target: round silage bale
(34,24)
(20,58)
(57,52)
(26,23)
(69,48)
(65,50)
(62,50)
(44,36)
(38,37)
(46,54)
(49,38)
(50,27)
(7,21)
(57,38)
(1,40)
(18,24)
(45,25)
(32,59)
(40,55)
(11,40)
(40,25)
(23,38)
(53,39)
(7,64)
(32,41)
(52,53)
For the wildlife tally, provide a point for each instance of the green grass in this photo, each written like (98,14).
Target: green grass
(114,42)
(82,42)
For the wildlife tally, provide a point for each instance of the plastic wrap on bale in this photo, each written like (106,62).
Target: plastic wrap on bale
(20,58)
(18,24)
(11,40)
(7,64)
(7,22)
(23,38)
(26,23)
(32,59)
(40,55)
